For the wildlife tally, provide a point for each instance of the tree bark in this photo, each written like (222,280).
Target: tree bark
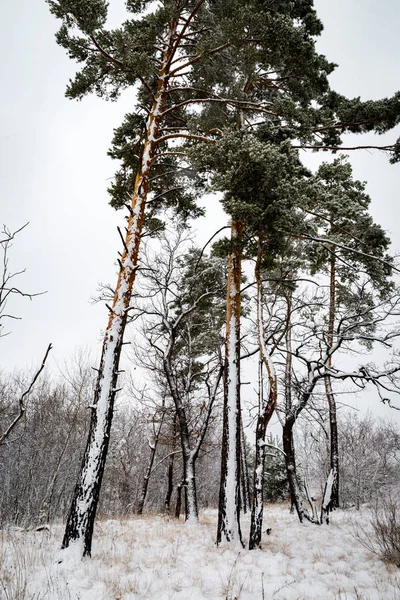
(80,521)
(332,484)
(170,484)
(178,500)
(229,496)
(192,511)
(170,471)
(266,407)
(290,460)
(288,381)
(244,471)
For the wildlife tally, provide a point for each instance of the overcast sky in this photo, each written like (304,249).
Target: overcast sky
(54,168)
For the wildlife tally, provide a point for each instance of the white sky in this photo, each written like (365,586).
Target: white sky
(54,168)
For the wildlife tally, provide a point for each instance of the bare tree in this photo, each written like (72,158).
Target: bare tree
(22,400)
(182,316)
(8,289)
(368,318)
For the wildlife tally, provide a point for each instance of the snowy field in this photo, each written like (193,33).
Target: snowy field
(159,558)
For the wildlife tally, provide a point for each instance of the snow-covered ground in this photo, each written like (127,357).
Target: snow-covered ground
(159,558)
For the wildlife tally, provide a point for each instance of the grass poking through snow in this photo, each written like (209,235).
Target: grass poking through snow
(162,559)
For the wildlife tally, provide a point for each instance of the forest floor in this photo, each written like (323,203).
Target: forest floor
(154,557)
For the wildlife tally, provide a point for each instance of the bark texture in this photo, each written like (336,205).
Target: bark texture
(245,503)
(331,493)
(229,497)
(266,407)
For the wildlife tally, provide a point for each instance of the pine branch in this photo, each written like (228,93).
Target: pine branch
(200,57)
(337,148)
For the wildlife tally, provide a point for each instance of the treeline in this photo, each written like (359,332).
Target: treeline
(40,463)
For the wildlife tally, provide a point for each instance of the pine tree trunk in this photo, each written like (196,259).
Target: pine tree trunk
(229,496)
(244,471)
(80,521)
(266,407)
(288,379)
(331,487)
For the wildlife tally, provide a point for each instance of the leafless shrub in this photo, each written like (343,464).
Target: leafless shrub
(382,537)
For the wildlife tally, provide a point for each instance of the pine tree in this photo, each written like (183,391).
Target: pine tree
(340,215)
(182,55)
(224,58)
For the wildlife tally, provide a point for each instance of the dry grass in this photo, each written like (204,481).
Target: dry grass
(161,559)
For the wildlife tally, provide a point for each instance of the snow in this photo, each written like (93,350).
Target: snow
(328,490)
(154,557)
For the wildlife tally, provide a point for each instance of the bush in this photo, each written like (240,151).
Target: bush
(383,539)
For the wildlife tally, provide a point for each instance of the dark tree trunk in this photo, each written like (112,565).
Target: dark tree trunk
(170,470)
(288,381)
(229,495)
(170,483)
(290,460)
(146,478)
(188,456)
(178,501)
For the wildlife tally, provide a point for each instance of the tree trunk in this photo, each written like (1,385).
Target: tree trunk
(259,465)
(170,472)
(80,521)
(178,500)
(332,484)
(153,449)
(266,406)
(327,498)
(296,496)
(295,492)
(229,502)
(170,484)
(146,478)
(192,512)
(288,378)
(188,456)
(244,471)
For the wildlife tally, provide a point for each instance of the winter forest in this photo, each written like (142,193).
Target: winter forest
(230,428)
